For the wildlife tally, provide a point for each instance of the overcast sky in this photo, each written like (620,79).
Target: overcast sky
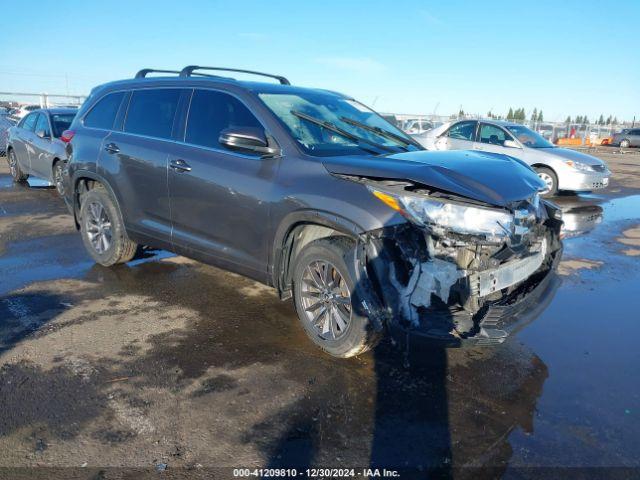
(564,57)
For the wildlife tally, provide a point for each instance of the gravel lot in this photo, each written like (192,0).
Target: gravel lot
(166,363)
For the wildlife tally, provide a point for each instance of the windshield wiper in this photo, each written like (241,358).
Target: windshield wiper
(380,131)
(343,133)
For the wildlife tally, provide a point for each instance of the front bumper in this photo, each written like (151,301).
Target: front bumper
(579,181)
(496,320)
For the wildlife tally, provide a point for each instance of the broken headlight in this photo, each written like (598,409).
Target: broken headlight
(426,211)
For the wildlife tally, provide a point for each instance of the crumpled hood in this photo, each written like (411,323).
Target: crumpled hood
(567,154)
(488,177)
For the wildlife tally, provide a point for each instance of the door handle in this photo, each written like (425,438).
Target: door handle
(112,148)
(180,165)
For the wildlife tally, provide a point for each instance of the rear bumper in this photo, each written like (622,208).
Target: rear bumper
(578,181)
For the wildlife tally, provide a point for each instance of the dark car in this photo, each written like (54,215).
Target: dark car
(312,193)
(629,137)
(36,146)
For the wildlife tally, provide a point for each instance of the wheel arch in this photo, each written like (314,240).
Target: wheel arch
(84,181)
(299,229)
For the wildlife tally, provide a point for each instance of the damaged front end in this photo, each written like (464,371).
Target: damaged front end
(460,270)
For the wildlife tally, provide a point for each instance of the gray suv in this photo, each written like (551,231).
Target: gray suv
(316,195)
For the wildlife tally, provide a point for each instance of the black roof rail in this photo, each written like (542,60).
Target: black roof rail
(188,71)
(145,71)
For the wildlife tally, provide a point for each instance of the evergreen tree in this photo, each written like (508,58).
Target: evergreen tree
(615,120)
(609,120)
(585,120)
(568,120)
(510,114)
(601,120)
(540,117)
(461,113)
(534,115)
(579,119)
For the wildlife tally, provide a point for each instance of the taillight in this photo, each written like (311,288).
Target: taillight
(67,135)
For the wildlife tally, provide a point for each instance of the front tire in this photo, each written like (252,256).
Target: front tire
(14,167)
(324,292)
(550,178)
(102,229)
(625,144)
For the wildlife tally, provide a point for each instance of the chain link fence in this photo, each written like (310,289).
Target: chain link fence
(16,105)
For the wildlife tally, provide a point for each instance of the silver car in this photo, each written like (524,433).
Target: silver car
(560,168)
(629,137)
(36,146)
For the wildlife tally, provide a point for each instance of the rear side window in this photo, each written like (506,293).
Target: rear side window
(43,125)
(29,122)
(103,113)
(151,112)
(462,131)
(61,122)
(211,112)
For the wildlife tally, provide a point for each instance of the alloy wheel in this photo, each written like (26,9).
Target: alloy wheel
(98,227)
(326,300)
(548,180)
(13,164)
(57,178)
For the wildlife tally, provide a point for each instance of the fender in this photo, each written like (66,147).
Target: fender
(300,217)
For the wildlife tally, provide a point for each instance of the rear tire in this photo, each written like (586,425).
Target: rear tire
(16,172)
(550,178)
(323,291)
(625,143)
(102,229)
(58,177)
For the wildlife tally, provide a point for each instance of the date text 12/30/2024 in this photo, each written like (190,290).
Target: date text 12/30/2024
(316,473)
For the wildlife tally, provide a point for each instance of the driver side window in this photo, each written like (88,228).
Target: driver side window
(463,131)
(493,135)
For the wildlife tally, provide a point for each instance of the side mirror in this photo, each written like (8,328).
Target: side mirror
(510,144)
(248,140)
(42,134)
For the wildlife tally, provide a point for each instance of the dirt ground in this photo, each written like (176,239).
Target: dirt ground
(166,366)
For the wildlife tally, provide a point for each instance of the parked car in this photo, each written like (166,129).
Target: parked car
(629,137)
(560,168)
(22,111)
(417,126)
(36,146)
(312,193)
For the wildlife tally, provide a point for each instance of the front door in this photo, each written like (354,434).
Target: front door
(460,136)
(220,198)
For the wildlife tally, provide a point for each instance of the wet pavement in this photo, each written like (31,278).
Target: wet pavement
(166,362)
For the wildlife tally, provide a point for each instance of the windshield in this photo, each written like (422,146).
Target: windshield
(61,122)
(296,109)
(529,138)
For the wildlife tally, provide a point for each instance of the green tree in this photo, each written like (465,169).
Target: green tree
(568,120)
(534,115)
(540,117)
(601,120)
(510,114)
(609,120)
(615,120)
(461,112)
(579,119)
(585,120)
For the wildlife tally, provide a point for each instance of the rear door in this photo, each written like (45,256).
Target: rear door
(460,136)
(134,158)
(41,159)
(219,198)
(21,142)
